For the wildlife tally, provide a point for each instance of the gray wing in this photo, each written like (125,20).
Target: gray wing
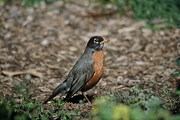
(81,73)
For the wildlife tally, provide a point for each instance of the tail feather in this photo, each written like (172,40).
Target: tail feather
(59,89)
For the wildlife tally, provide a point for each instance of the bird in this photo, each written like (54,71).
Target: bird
(86,72)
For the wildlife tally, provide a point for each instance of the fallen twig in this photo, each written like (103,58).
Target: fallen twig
(51,66)
(93,15)
(32,72)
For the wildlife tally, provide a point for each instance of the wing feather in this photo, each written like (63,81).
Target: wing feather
(81,72)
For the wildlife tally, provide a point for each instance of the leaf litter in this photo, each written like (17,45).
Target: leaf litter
(45,42)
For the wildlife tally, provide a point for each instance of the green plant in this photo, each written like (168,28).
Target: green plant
(7,112)
(34,2)
(178,61)
(136,98)
(112,108)
(176,74)
(20,106)
(159,13)
(29,3)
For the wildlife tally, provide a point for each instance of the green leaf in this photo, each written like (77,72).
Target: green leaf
(175,74)
(178,61)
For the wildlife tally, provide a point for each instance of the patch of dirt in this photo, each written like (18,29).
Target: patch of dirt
(48,39)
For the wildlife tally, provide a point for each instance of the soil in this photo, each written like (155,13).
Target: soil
(41,44)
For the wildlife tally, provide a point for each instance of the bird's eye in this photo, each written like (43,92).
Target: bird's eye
(96,41)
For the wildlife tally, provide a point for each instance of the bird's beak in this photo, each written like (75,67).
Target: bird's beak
(104,41)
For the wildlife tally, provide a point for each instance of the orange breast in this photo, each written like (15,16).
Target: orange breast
(98,58)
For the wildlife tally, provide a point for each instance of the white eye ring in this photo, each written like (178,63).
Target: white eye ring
(96,41)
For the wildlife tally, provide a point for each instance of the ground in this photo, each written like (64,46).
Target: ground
(41,45)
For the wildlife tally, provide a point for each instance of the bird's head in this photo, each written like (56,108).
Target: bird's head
(96,43)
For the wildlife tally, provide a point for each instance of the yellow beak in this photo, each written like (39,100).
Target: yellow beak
(104,41)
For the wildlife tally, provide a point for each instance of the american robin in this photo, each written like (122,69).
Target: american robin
(86,72)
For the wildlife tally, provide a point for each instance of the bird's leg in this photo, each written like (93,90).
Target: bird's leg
(86,98)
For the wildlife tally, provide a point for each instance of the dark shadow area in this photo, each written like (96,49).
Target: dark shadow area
(79,98)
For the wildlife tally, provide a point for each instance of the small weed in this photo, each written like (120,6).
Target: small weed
(178,61)
(168,97)
(19,106)
(82,101)
(176,74)
(137,105)
(135,97)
